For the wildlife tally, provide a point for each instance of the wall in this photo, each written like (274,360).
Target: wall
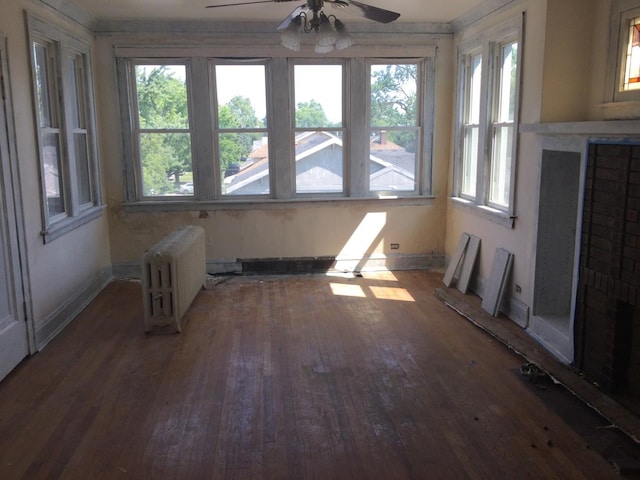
(519,240)
(354,230)
(63,274)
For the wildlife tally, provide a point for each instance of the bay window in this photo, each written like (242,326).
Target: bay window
(213,131)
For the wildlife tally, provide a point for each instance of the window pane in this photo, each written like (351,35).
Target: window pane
(319,162)
(82,168)
(392,167)
(632,70)
(501,165)
(52,173)
(469,161)
(392,150)
(241,96)
(393,95)
(244,162)
(318,95)
(165,157)
(473,98)
(162,96)
(507,86)
(43,86)
(242,105)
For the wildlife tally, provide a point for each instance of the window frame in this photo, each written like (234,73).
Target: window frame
(424,113)
(62,46)
(489,43)
(136,130)
(280,126)
(299,130)
(622,12)
(217,130)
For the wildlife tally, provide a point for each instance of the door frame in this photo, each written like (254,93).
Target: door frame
(13,204)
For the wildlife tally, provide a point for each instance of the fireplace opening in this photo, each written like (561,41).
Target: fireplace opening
(607,325)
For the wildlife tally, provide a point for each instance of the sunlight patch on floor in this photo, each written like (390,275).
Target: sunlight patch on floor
(392,293)
(347,290)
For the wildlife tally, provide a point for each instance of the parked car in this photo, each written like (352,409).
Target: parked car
(187,188)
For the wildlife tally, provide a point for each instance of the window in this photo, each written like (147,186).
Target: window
(64,113)
(242,135)
(625,51)
(631,78)
(261,129)
(394,122)
(162,130)
(318,137)
(487,113)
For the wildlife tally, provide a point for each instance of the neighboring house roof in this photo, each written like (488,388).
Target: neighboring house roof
(315,152)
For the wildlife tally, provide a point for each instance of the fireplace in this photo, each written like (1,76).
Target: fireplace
(607,322)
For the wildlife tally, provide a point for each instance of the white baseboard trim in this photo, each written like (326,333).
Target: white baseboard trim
(55,322)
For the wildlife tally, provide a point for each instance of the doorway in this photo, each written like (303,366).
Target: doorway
(14,344)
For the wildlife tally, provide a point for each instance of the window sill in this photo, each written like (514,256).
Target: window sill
(269,204)
(621,109)
(69,224)
(494,215)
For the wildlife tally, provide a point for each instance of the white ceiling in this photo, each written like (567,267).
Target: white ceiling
(411,11)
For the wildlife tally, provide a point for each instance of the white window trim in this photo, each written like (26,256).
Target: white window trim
(66,46)
(622,11)
(279,129)
(491,40)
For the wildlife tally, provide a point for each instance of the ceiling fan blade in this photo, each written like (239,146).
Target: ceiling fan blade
(246,3)
(368,11)
(287,21)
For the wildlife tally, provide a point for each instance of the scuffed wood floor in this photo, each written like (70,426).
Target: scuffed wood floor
(283,377)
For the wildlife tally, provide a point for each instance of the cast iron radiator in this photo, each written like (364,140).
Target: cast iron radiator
(173,271)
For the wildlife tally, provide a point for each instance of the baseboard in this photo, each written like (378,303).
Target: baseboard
(67,311)
(305,265)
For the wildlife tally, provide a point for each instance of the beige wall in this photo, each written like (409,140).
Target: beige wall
(57,270)
(289,229)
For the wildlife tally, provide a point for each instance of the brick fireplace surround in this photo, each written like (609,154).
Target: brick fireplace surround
(607,322)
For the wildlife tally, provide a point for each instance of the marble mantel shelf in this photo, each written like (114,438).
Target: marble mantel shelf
(615,128)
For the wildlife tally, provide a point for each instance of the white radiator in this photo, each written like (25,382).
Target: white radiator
(173,271)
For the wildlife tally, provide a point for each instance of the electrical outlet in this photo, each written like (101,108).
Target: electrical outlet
(395,246)
(518,288)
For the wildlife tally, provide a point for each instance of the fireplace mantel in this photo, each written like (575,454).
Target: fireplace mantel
(608,128)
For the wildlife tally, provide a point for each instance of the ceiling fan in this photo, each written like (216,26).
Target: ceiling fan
(311,18)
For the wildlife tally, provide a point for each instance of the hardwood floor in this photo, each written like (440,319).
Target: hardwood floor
(287,377)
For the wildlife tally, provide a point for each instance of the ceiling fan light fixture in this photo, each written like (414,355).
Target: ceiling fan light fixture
(327,35)
(324,48)
(290,37)
(344,37)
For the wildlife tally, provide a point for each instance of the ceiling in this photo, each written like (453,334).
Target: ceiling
(411,11)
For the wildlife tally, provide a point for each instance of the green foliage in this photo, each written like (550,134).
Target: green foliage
(235,147)
(394,102)
(311,114)
(162,104)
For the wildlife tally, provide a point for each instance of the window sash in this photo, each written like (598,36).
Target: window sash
(503,125)
(396,137)
(163,139)
(319,160)
(248,172)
